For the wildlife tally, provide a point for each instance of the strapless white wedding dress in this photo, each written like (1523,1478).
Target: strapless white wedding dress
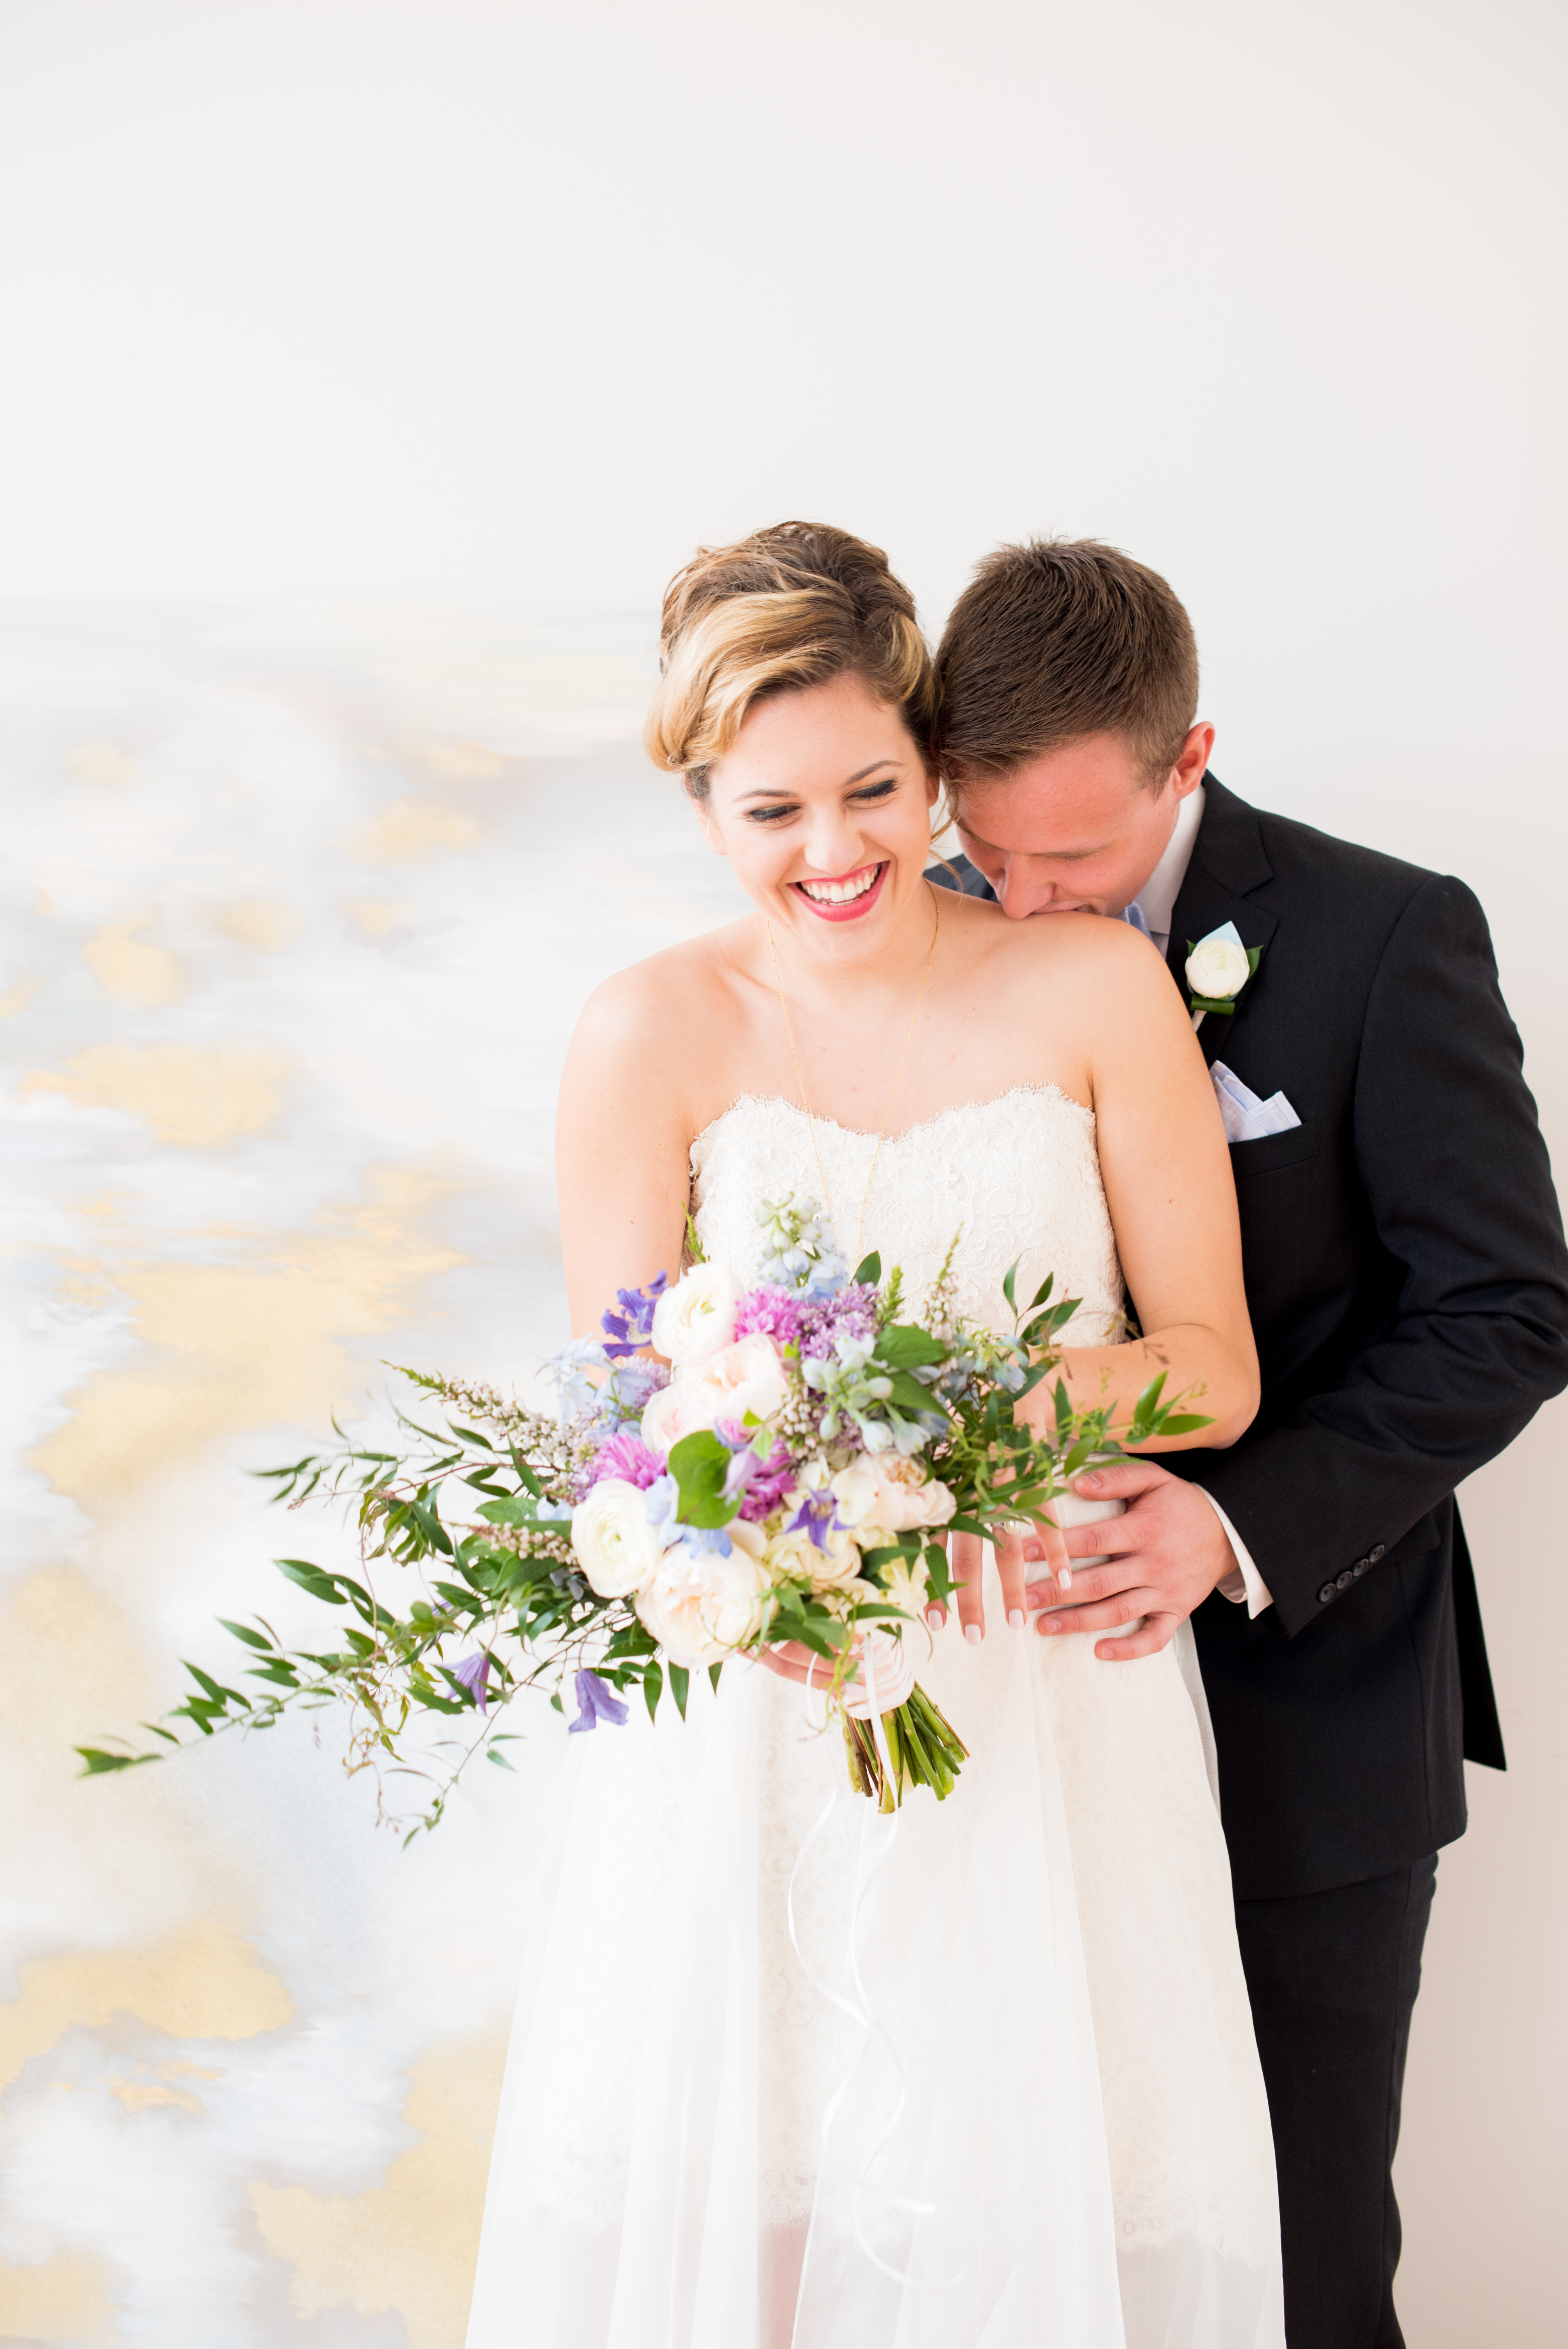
(1056,2136)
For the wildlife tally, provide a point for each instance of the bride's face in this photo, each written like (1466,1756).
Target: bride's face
(823,807)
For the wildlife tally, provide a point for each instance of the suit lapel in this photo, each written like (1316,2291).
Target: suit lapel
(1228,861)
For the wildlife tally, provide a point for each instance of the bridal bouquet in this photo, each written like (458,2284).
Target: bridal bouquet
(781,1474)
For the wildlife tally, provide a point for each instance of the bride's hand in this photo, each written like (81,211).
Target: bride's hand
(792,1661)
(1019,1558)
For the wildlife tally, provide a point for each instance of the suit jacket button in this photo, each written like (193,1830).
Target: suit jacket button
(1361,1565)
(1327,1592)
(1343,1582)
(1375,1552)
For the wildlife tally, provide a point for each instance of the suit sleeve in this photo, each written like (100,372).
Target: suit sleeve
(1458,1189)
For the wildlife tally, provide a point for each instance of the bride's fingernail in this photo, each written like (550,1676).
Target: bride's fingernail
(1064,1577)
(934,1617)
(974,1634)
(1015,1618)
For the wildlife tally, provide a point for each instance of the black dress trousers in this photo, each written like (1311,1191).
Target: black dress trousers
(1332,1977)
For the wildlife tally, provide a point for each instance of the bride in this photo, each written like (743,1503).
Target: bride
(1024,2108)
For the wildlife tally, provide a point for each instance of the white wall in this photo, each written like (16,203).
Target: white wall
(465,304)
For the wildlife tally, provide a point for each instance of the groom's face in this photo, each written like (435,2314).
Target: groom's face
(1078,830)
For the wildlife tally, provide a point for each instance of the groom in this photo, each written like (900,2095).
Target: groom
(1408,1287)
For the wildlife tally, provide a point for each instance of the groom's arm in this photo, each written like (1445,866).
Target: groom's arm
(1458,1190)
(1459,1186)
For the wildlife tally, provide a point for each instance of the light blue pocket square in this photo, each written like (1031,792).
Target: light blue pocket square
(1246,1118)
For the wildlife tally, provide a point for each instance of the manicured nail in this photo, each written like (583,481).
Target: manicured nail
(934,1617)
(974,1634)
(1090,1479)
(1015,1618)
(1064,1577)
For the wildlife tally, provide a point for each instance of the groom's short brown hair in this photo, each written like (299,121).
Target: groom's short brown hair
(1056,639)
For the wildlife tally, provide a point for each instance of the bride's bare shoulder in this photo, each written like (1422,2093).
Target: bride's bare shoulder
(1064,948)
(675,992)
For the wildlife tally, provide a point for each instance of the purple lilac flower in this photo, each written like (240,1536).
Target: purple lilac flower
(853,1313)
(773,1312)
(625,1332)
(595,1704)
(625,1455)
(474,1675)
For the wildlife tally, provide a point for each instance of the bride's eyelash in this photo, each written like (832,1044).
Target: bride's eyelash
(872,791)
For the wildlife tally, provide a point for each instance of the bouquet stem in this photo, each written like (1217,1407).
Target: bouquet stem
(923,1746)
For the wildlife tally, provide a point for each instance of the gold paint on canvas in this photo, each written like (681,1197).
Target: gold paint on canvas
(409,2243)
(64,2299)
(195,1096)
(407,831)
(16,998)
(204,1982)
(124,966)
(245,1347)
(264,922)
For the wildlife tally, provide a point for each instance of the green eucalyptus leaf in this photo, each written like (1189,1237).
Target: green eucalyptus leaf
(243,1632)
(99,1764)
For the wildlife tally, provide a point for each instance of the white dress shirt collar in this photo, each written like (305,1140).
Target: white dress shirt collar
(1156,900)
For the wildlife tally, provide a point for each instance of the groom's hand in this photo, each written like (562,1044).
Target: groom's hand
(1164,1555)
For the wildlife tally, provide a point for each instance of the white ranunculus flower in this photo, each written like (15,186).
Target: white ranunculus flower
(699,1608)
(828,1568)
(668,1416)
(742,1377)
(617,1546)
(698,1315)
(889,1491)
(1217,966)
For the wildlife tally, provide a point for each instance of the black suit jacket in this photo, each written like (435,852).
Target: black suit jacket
(1408,1286)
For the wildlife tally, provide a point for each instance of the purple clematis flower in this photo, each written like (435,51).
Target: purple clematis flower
(597,1704)
(633,1326)
(474,1675)
(819,1515)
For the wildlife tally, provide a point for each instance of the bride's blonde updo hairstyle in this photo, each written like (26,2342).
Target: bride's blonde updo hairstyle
(795,605)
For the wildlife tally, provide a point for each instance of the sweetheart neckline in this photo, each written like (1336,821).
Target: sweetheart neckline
(890,1141)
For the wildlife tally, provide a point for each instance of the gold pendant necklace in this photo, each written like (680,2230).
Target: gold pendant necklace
(801,1080)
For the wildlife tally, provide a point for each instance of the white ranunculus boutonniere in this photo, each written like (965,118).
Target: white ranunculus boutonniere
(1218,967)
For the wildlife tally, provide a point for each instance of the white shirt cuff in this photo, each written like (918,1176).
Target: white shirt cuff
(1246,1582)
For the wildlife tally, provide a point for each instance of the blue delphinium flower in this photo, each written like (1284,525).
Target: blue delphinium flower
(596,1702)
(576,1391)
(801,1253)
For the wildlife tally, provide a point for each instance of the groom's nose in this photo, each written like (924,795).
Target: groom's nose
(1025,886)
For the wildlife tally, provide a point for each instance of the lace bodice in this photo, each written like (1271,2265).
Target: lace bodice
(1017,1175)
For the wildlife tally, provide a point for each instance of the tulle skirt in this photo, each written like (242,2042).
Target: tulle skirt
(1024,2108)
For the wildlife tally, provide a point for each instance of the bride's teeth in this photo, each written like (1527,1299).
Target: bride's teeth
(839,893)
